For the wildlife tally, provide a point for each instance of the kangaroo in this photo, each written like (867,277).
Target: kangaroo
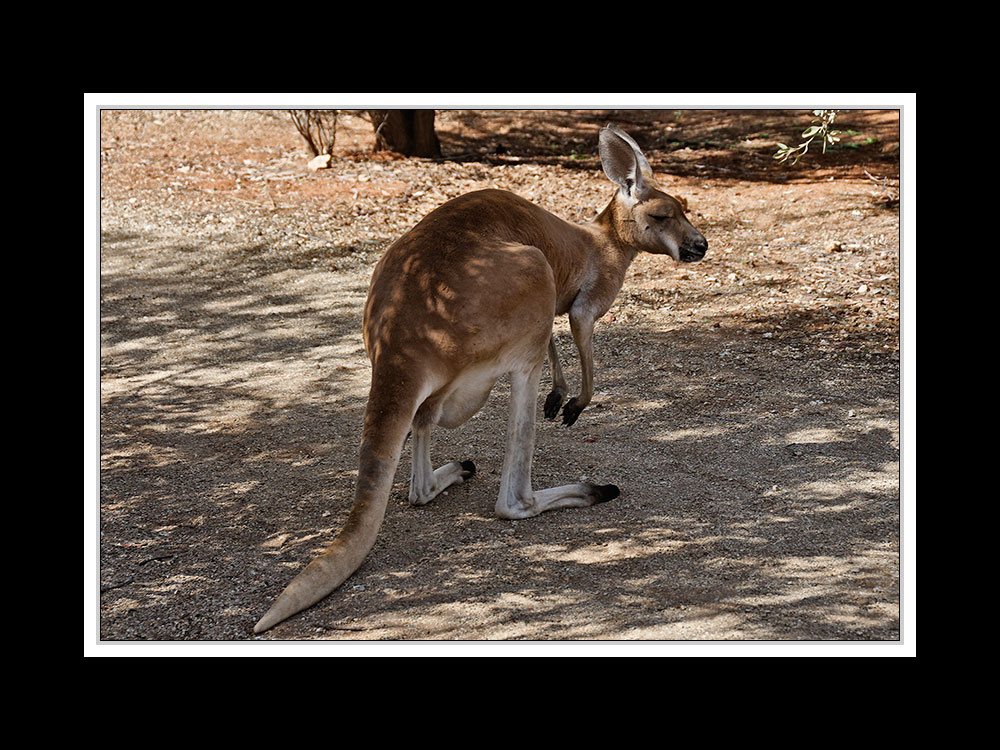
(470,294)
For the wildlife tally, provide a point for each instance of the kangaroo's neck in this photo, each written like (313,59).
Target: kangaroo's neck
(615,229)
(608,255)
(588,260)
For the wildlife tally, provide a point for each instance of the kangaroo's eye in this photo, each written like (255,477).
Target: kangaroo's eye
(658,218)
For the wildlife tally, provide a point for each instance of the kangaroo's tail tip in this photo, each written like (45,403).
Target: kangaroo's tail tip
(265,623)
(326,572)
(277,613)
(314,582)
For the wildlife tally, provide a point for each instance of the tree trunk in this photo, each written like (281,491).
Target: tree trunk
(407,131)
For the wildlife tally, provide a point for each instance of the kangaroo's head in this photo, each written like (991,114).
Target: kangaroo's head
(646,217)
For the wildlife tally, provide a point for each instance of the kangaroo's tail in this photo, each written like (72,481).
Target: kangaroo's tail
(392,404)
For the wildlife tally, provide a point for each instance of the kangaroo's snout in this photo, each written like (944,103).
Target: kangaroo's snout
(694,250)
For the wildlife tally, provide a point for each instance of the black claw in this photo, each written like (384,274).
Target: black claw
(606,492)
(571,411)
(552,404)
(468,469)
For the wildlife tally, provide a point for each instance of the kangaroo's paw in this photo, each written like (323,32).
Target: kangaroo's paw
(552,404)
(606,492)
(571,411)
(422,491)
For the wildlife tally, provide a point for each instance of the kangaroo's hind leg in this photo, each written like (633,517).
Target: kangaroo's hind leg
(426,482)
(517,499)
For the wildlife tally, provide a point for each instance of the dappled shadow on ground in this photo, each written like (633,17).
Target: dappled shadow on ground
(716,143)
(747,511)
(217,397)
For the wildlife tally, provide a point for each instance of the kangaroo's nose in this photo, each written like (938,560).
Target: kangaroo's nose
(695,250)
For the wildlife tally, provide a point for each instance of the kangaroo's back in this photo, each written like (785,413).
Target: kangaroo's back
(482,218)
(421,305)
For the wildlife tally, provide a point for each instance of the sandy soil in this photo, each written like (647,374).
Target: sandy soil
(747,406)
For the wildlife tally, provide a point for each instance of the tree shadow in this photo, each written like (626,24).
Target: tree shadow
(749,512)
(216,401)
(705,143)
(751,505)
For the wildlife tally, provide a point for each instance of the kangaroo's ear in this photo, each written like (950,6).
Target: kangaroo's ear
(623,161)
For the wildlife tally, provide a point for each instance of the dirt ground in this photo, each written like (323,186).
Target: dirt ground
(748,406)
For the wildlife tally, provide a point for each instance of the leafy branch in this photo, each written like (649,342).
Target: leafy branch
(822,131)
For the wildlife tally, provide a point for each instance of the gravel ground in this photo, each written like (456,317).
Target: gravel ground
(747,406)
